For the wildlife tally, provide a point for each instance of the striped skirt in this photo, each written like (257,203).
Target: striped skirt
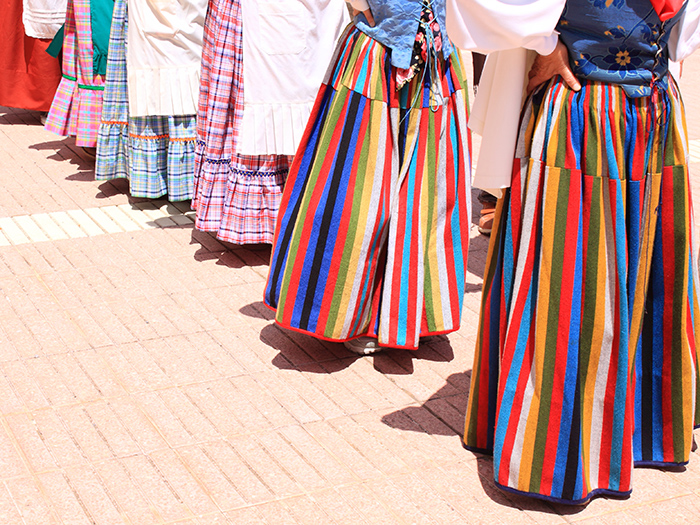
(586,359)
(77,105)
(373,229)
(235,196)
(156,153)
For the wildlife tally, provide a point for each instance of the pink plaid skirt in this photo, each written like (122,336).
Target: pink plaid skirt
(77,105)
(235,196)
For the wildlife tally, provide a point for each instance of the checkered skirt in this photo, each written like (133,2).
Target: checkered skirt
(235,196)
(156,153)
(77,105)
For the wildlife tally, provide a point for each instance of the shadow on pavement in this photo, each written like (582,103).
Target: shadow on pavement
(442,414)
(298,351)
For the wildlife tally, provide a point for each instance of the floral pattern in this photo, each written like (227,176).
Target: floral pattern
(626,52)
(428,40)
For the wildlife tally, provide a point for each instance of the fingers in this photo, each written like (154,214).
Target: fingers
(367,13)
(570,79)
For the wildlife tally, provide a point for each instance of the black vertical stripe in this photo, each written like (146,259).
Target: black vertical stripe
(572,472)
(647,380)
(282,244)
(324,229)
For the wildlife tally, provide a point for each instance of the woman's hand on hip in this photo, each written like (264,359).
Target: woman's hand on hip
(547,66)
(368,15)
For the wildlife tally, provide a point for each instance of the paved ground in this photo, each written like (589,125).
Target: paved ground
(142,380)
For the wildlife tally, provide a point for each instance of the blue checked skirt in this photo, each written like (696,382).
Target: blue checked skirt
(156,153)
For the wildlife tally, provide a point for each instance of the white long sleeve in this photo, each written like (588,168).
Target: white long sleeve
(43,18)
(685,35)
(494,25)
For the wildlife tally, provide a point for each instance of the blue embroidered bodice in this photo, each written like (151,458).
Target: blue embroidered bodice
(396,25)
(617,41)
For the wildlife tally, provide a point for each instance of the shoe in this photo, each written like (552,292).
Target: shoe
(363,345)
(488,212)
(91,153)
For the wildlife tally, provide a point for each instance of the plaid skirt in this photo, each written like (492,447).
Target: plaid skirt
(235,196)
(156,153)
(586,358)
(77,106)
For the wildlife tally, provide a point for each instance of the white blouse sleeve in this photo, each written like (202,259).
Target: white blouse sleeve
(493,25)
(685,35)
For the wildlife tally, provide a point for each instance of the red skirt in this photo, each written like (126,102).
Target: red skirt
(28,75)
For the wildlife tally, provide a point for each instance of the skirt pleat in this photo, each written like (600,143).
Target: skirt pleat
(373,228)
(586,360)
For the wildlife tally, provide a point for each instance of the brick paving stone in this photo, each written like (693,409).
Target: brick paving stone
(57,438)
(213,478)
(126,494)
(245,516)
(214,519)
(137,423)
(247,483)
(305,510)
(9,400)
(215,411)
(223,362)
(230,393)
(24,385)
(31,502)
(92,493)
(335,506)
(336,442)
(189,415)
(162,497)
(291,460)
(263,464)
(89,437)
(368,446)
(294,403)
(264,401)
(276,512)
(29,440)
(328,466)
(64,499)
(168,425)
(622,517)
(373,510)
(398,502)
(182,482)
(313,396)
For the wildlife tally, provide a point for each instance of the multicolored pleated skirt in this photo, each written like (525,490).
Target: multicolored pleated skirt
(156,153)
(77,105)
(373,229)
(235,196)
(586,359)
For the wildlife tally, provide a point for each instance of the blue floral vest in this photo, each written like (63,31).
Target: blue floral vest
(617,41)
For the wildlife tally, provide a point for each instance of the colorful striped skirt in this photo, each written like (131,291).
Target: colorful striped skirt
(586,359)
(373,229)
(77,105)
(156,153)
(235,196)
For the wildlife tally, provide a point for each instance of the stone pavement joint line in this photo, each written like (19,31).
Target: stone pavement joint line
(73,224)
